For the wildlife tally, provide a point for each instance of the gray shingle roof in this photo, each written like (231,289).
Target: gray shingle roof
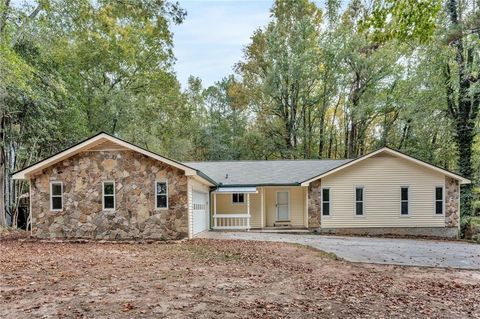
(281,172)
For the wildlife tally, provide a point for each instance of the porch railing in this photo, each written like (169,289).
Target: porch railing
(231,221)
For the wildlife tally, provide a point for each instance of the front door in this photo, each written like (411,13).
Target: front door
(283,206)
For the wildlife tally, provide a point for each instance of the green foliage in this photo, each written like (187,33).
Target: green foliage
(403,20)
(69,69)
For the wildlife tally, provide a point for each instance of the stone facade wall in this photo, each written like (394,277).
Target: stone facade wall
(135,215)
(314,204)
(452,202)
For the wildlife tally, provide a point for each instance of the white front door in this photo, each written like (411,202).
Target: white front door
(283,206)
(200,212)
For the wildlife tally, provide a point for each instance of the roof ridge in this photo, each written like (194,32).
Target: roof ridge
(272,160)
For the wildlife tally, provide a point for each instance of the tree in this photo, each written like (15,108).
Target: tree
(462,85)
(456,33)
(72,68)
(282,69)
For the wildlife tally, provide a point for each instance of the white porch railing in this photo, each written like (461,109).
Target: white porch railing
(231,221)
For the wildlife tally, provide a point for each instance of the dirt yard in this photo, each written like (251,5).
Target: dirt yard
(224,279)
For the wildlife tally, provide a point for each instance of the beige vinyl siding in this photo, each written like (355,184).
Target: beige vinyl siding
(226,206)
(382,178)
(193,185)
(255,210)
(297,202)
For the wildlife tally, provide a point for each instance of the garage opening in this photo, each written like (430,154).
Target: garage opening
(200,212)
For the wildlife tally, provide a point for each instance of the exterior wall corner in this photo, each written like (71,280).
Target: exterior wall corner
(314,204)
(452,202)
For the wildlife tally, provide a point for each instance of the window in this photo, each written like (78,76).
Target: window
(56,195)
(161,195)
(326,201)
(238,198)
(405,193)
(108,195)
(359,201)
(439,200)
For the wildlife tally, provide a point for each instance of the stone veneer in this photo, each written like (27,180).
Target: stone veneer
(314,204)
(135,215)
(452,202)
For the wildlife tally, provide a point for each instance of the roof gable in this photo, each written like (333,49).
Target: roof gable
(101,141)
(389,152)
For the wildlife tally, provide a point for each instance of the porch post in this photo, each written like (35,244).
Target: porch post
(214,210)
(248,211)
(305,208)
(262,222)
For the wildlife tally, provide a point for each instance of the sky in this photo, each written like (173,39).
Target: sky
(210,40)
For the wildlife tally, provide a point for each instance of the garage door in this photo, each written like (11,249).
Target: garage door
(200,212)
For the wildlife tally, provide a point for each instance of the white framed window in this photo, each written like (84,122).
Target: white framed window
(359,201)
(439,200)
(238,198)
(56,196)
(326,201)
(404,201)
(161,195)
(108,194)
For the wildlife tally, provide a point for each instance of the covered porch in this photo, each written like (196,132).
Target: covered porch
(265,207)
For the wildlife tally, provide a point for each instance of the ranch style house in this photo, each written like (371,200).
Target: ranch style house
(107,188)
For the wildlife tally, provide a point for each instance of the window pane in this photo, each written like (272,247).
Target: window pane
(56,189)
(161,188)
(359,194)
(108,188)
(161,201)
(404,208)
(359,208)
(439,193)
(326,195)
(439,207)
(57,202)
(404,193)
(109,202)
(241,198)
(326,209)
(235,198)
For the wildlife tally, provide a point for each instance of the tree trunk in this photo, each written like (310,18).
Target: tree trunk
(3,211)
(352,136)
(332,128)
(405,133)
(464,140)
(464,109)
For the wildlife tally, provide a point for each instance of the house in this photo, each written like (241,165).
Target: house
(107,188)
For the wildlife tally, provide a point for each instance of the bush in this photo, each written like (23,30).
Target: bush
(471,227)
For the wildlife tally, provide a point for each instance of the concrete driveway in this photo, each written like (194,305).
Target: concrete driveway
(398,251)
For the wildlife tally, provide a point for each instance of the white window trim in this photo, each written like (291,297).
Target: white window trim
(409,201)
(166,194)
(239,203)
(355,201)
(435,201)
(114,196)
(329,202)
(51,195)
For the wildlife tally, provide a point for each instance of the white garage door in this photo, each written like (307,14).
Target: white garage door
(200,212)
